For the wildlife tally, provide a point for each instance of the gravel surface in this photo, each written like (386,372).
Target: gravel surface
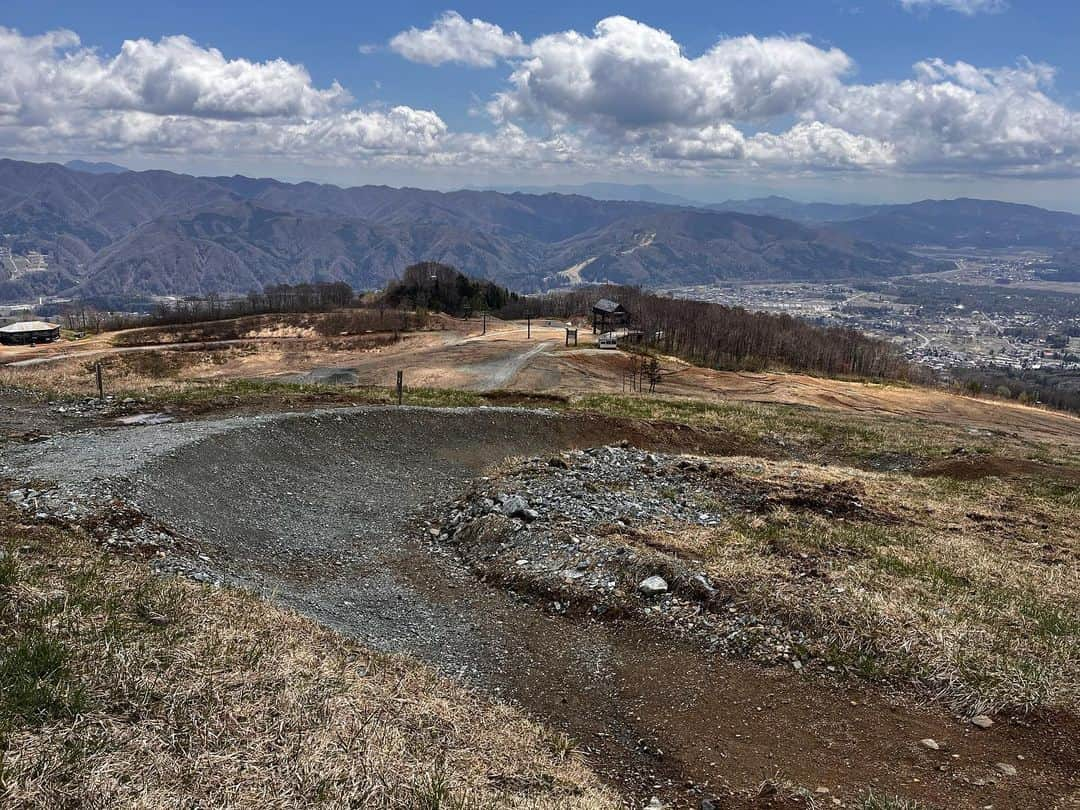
(326,512)
(319,509)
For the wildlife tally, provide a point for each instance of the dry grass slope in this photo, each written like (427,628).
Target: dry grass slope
(119,689)
(963,589)
(966,587)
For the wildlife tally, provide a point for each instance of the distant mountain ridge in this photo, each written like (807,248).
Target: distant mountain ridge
(966,222)
(962,222)
(606,191)
(807,213)
(160,233)
(101,167)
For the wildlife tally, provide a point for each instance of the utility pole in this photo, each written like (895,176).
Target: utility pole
(400,386)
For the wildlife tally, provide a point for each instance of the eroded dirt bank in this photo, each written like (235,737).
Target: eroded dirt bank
(322,510)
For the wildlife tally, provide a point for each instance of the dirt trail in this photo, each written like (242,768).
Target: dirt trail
(320,510)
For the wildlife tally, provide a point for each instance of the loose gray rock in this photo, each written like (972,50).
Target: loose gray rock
(928,743)
(514,506)
(1005,768)
(704,583)
(982,721)
(653,586)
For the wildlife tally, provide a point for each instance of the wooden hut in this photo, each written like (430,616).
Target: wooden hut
(606,314)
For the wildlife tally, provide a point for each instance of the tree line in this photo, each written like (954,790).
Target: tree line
(275,298)
(1056,387)
(732,338)
(706,334)
(441,288)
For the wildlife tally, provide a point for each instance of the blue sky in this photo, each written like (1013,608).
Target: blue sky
(813,99)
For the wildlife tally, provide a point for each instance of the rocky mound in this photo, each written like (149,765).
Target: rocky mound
(598,531)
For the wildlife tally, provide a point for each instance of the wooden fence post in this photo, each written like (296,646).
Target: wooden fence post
(399,386)
(100,383)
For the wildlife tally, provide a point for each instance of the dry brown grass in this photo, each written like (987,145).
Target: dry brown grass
(135,373)
(126,690)
(968,588)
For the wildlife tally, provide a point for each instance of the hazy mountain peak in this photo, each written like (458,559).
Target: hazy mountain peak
(100,167)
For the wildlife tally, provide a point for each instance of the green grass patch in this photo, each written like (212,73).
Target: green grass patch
(938,576)
(813,431)
(35,683)
(198,395)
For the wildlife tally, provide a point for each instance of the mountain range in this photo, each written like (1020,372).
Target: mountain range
(639,192)
(808,213)
(159,233)
(99,167)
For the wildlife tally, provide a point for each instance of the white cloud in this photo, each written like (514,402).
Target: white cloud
(959,118)
(968,7)
(634,86)
(176,97)
(627,75)
(452,38)
(624,97)
(821,146)
(174,76)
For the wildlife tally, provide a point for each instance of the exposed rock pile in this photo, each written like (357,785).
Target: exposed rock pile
(115,523)
(584,531)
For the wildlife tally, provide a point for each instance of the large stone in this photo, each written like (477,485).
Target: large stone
(982,721)
(653,586)
(514,506)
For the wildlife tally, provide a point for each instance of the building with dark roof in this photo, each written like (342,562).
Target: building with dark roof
(607,313)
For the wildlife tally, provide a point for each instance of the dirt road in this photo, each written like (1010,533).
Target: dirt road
(321,512)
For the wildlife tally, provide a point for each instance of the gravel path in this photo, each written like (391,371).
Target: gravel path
(495,374)
(325,512)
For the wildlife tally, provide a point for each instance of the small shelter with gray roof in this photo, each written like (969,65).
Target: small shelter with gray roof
(25,333)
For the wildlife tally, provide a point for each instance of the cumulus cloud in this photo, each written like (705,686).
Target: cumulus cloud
(821,146)
(957,117)
(628,75)
(175,96)
(452,38)
(174,76)
(968,7)
(625,96)
(635,86)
